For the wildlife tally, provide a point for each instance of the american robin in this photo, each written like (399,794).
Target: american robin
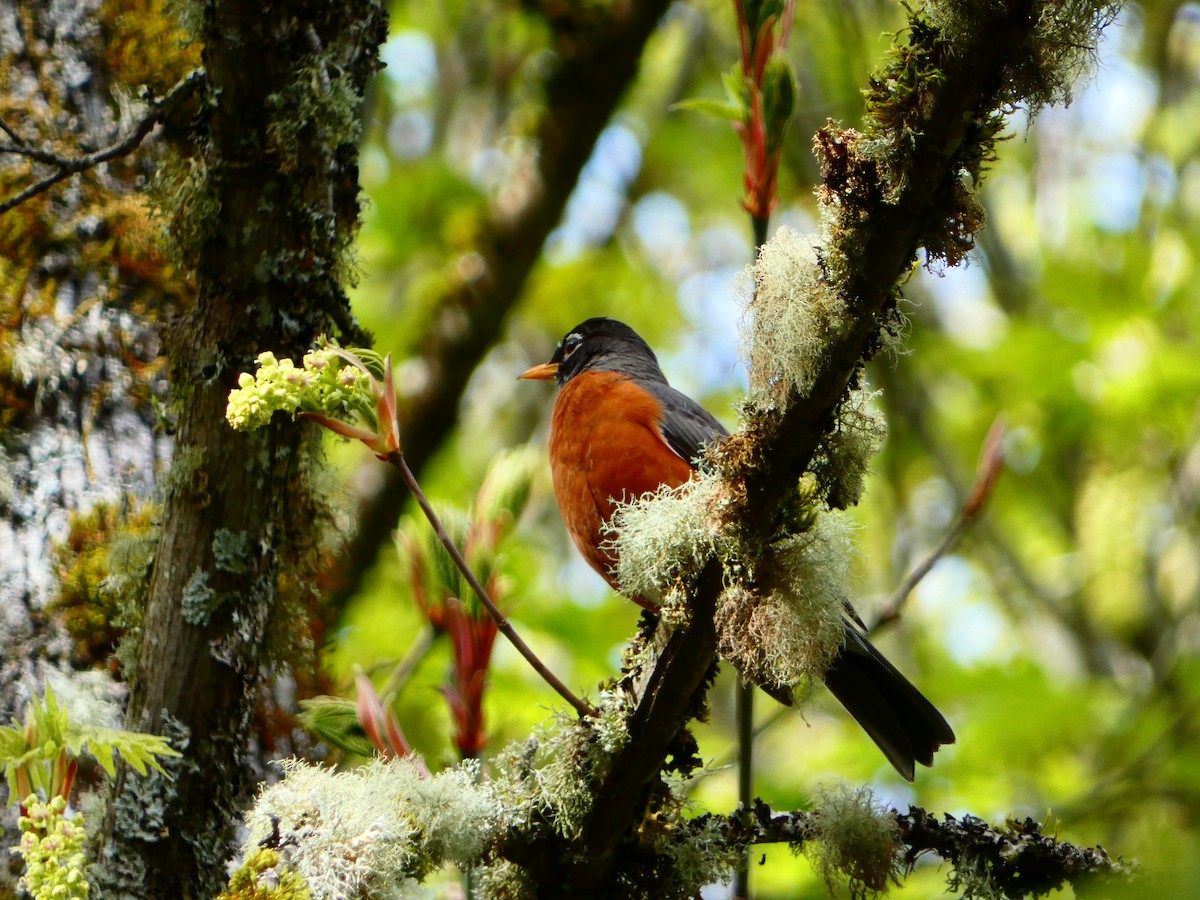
(618,431)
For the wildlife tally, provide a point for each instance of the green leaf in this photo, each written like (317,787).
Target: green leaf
(12,745)
(141,751)
(738,89)
(50,722)
(335,720)
(779,99)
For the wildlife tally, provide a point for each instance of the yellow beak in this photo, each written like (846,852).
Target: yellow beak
(544,372)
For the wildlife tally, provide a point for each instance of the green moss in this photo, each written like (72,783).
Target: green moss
(321,106)
(1060,50)
(102,566)
(1040,69)
(184,207)
(261,877)
(148,42)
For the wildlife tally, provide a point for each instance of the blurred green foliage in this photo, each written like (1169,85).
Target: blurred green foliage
(1061,635)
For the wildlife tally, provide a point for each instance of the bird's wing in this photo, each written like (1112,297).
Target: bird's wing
(687,426)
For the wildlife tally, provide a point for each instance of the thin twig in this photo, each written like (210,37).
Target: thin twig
(744,696)
(66,166)
(396,458)
(12,133)
(991,462)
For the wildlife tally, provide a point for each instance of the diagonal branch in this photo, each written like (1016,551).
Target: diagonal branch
(396,458)
(66,166)
(990,465)
(881,221)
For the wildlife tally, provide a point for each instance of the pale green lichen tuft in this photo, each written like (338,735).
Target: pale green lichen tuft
(787,630)
(455,813)
(612,724)
(375,830)
(856,840)
(504,880)
(661,539)
(795,314)
(551,776)
(199,601)
(843,458)
(779,619)
(698,857)
(559,781)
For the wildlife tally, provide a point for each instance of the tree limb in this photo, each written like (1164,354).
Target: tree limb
(66,166)
(1018,860)
(881,222)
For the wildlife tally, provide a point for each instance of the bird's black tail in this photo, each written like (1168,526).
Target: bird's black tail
(898,718)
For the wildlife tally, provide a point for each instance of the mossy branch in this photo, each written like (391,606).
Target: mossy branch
(934,116)
(1015,860)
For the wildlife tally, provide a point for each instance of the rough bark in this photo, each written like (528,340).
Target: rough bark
(266,227)
(81,290)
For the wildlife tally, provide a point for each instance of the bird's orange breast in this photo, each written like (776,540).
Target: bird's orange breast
(606,446)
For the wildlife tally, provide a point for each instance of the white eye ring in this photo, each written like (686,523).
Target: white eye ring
(571,343)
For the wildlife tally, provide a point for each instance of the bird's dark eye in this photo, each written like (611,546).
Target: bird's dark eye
(570,344)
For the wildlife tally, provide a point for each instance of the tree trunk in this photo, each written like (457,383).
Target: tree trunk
(266,227)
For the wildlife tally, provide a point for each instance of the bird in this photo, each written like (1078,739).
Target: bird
(619,430)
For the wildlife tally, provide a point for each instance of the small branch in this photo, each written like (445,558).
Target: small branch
(66,166)
(991,463)
(12,133)
(1017,860)
(396,458)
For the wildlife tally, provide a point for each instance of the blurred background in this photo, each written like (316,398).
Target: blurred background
(1059,636)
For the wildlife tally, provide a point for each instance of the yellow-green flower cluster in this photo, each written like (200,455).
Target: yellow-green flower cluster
(327,384)
(52,846)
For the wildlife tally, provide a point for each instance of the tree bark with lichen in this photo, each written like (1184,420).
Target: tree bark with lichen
(82,289)
(263,214)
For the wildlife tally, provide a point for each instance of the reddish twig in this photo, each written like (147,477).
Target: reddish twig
(396,458)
